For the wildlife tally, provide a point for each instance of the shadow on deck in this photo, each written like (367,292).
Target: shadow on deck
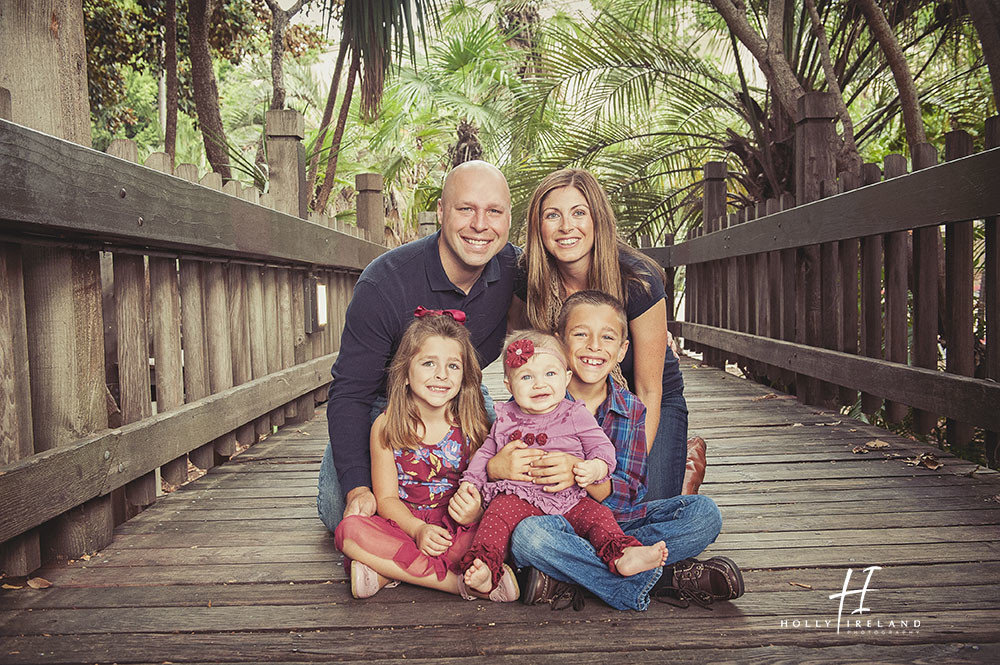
(236,567)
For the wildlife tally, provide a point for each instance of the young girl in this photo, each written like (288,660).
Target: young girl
(434,420)
(535,373)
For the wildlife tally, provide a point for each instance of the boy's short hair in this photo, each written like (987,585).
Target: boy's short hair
(540,340)
(591,297)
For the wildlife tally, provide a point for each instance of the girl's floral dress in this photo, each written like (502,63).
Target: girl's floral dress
(428,477)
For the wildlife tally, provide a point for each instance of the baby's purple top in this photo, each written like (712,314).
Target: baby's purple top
(570,428)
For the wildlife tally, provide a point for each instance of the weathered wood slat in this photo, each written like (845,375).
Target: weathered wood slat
(969,400)
(896,261)
(958,286)
(56,187)
(926,248)
(952,192)
(95,465)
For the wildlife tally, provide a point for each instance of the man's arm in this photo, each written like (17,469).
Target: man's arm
(365,347)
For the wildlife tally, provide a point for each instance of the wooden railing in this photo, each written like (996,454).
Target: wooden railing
(149,320)
(855,288)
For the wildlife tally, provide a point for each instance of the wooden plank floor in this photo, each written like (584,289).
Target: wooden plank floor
(236,567)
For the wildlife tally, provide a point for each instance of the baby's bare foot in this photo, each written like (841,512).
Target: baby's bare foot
(478,577)
(635,560)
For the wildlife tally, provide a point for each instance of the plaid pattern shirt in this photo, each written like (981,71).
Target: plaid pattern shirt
(623,418)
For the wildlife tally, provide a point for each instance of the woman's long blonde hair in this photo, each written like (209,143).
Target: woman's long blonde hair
(403,427)
(607,272)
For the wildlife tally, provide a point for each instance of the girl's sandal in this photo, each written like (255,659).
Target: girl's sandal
(506,590)
(364,581)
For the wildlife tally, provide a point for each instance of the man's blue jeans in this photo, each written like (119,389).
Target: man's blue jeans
(329,498)
(687,524)
(666,460)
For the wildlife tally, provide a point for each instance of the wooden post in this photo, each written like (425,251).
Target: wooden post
(815,148)
(220,353)
(849,252)
(272,335)
(286,326)
(832,305)
(19,555)
(286,161)
(62,295)
(958,285)
(427,223)
(370,205)
(165,315)
(871,294)
(193,337)
(713,209)
(258,343)
(743,292)
(731,280)
(896,260)
(991,297)
(789,297)
(925,293)
(304,405)
(773,293)
(22,554)
(671,275)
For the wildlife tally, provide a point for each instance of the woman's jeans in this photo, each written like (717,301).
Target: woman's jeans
(666,460)
(687,524)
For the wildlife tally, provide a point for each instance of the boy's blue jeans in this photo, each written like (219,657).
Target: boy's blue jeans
(687,524)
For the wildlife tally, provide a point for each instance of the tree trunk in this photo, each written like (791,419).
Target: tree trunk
(908,101)
(206,92)
(170,65)
(770,57)
(280,18)
(331,163)
(331,101)
(986,19)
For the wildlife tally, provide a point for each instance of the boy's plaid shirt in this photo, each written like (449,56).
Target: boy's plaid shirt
(623,418)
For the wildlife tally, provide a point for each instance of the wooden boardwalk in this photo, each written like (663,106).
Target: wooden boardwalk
(236,567)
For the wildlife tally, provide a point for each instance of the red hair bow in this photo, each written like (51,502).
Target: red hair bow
(519,352)
(456,314)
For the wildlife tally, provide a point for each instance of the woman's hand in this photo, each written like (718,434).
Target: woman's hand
(432,540)
(590,471)
(466,504)
(513,462)
(555,471)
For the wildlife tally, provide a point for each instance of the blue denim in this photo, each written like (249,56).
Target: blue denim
(687,524)
(668,456)
(330,502)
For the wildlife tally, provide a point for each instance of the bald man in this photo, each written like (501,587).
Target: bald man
(467,265)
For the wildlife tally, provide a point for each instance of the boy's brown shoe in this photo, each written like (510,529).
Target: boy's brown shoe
(700,582)
(540,588)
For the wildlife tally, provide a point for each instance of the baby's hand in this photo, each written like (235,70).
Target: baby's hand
(433,540)
(589,472)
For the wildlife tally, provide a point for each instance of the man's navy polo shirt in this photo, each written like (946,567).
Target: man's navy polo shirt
(386,294)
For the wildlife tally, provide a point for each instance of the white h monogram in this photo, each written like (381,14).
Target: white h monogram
(844,593)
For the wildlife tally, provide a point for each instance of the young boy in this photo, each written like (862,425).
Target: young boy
(593,327)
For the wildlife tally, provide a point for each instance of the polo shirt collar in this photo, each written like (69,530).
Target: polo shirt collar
(438,278)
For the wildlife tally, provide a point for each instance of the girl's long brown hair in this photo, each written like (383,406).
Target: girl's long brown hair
(403,427)
(607,272)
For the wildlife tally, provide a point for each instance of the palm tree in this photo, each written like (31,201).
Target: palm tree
(374,33)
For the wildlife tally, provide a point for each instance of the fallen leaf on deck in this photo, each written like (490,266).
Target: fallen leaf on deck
(797,425)
(860,450)
(877,443)
(763,397)
(85,557)
(39,583)
(928,460)
(11,586)
(993,499)
(804,586)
